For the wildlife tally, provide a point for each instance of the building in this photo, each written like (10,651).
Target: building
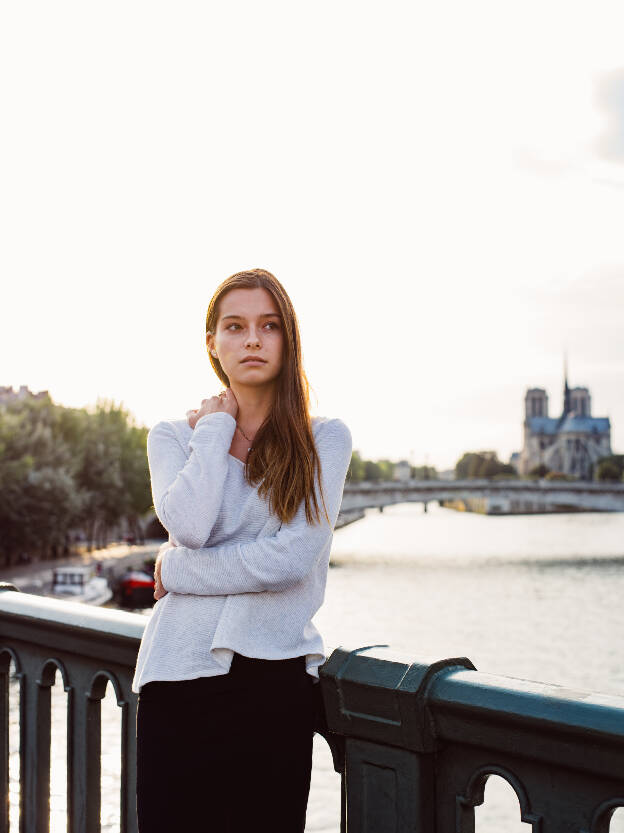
(570,443)
(402,470)
(7,394)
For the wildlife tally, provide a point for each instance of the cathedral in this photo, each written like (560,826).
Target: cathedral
(570,443)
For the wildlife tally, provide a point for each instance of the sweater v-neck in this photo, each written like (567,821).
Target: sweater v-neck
(314,420)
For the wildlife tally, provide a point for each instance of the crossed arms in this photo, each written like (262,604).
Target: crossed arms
(275,562)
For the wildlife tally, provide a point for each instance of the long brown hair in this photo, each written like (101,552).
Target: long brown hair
(283,458)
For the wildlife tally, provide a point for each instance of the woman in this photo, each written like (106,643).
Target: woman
(249,487)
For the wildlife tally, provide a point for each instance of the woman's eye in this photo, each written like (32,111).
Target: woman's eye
(271,324)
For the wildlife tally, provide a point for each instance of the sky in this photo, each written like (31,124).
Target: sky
(439,187)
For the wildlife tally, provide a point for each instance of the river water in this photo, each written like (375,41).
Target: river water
(538,597)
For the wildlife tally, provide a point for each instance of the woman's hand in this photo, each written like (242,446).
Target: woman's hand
(225,402)
(159,590)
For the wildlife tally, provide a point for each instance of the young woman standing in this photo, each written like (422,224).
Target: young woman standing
(249,487)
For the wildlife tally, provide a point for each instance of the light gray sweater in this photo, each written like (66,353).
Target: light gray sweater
(237,579)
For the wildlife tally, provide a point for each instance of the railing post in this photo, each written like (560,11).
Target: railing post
(35,750)
(128,767)
(378,705)
(84,739)
(4,740)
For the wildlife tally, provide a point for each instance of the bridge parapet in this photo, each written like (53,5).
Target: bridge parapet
(548,494)
(420,739)
(414,741)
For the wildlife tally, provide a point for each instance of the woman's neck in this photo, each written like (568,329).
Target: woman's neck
(254,405)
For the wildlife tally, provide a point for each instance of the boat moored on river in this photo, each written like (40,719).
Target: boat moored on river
(136,589)
(80,583)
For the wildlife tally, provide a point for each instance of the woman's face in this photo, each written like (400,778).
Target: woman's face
(249,324)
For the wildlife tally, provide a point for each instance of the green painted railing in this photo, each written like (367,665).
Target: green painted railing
(419,741)
(414,742)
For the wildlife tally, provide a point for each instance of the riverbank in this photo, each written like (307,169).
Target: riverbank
(115,559)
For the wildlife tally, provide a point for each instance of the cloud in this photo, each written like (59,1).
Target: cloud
(610,98)
(581,314)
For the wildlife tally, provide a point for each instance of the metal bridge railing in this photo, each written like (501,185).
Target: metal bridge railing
(414,741)
(419,741)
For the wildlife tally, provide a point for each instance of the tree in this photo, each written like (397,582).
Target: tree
(372,471)
(135,476)
(423,473)
(386,469)
(355,472)
(559,475)
(39,496)
(465,466)
(99,477)
(62,468)
(539,471)
(114,474)
(610,469)
(473,464)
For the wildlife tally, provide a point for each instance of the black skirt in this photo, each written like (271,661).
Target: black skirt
(230,753)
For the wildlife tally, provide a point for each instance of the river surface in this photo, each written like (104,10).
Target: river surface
(538,597)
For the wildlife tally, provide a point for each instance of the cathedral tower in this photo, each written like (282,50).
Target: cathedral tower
(535,403)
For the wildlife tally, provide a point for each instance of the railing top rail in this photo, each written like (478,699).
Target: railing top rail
(374,694)
(472,693)
(101,620)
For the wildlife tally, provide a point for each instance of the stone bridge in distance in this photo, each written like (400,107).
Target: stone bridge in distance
(488,496)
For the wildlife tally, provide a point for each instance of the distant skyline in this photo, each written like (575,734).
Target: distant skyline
(443,203)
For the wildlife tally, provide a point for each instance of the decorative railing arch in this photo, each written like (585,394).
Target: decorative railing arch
(474,795)
(602,816)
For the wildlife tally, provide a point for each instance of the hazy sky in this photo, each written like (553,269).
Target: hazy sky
(439,187)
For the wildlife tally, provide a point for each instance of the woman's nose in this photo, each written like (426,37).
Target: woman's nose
(252,338)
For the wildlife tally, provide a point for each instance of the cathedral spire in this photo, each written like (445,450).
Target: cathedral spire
(566,389)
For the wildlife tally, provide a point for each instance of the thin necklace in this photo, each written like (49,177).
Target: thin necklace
(244,435)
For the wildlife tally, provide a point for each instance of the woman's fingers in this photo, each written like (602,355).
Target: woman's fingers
(191,417)
(159,590)
(223,402)
(229,403)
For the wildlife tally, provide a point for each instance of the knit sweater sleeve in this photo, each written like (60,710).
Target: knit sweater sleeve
(187,493)
(275,562)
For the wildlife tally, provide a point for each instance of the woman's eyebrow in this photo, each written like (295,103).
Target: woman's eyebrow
(264,315)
